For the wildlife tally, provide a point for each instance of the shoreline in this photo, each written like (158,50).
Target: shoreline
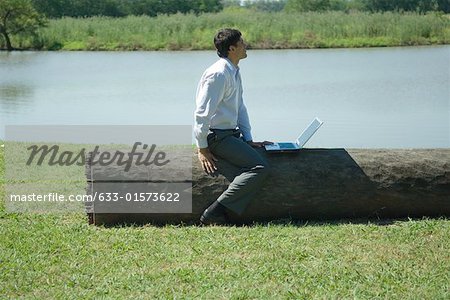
(211,49)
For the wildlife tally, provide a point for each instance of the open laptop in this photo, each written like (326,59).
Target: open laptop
(300,142)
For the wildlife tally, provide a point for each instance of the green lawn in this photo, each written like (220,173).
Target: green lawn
(61,257)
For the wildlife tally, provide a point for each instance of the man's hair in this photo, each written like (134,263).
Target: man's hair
(224,39)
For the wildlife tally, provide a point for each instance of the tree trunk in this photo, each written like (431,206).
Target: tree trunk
(7,40)
(312,184)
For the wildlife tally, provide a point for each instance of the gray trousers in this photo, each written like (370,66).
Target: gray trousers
(252,168)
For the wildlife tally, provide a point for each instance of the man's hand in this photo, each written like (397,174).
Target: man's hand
(207,160)
(259,144)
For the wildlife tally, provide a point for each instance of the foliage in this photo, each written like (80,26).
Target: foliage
(408,5)
(266,5)
(120,8)
(82,8)
(307,5)
(262,30)
(18,17)
(421,6)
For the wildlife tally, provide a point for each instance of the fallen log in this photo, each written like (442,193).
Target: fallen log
(314,184)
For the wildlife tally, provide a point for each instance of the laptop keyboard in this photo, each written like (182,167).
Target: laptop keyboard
(287,145)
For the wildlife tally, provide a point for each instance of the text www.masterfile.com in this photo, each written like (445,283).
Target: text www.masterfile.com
(102,197)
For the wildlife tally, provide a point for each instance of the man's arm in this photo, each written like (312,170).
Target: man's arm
(244,121)
(244,126)
(210,92)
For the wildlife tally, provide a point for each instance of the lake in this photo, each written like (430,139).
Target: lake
(367,98)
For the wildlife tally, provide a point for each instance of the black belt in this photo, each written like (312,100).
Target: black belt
(222,130)
(219,134)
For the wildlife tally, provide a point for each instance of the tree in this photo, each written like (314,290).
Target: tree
(267,5)
(18,17)
(421,6)
(307,5)
(120,8)
(52,8)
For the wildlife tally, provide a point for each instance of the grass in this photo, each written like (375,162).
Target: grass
(262,30)
(61,256)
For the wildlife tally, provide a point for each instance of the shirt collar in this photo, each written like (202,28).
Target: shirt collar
(232,67)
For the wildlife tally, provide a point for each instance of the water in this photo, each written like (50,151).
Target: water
(368,98)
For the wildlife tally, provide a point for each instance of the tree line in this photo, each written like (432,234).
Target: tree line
(420,6)
(121,8)
(26,16)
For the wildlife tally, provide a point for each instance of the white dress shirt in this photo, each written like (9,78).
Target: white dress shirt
(219,102)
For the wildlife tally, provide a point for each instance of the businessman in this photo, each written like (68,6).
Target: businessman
(222,129)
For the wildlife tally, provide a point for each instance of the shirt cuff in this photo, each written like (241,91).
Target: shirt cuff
(202,143)
(247,136)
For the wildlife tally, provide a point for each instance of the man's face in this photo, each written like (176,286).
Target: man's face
(238,51)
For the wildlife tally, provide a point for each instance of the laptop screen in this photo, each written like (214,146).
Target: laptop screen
(309,132)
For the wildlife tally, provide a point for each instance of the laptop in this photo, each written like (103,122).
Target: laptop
(300,142)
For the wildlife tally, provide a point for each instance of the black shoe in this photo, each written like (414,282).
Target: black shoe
(214,215)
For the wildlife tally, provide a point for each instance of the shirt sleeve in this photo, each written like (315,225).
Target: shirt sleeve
(210,92)
(244,121)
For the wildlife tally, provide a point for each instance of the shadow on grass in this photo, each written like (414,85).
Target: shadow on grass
(280,222)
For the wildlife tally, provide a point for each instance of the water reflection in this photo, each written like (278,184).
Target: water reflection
(15,97)
(16,58)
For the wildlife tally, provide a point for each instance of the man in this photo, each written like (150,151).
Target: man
(222,128)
